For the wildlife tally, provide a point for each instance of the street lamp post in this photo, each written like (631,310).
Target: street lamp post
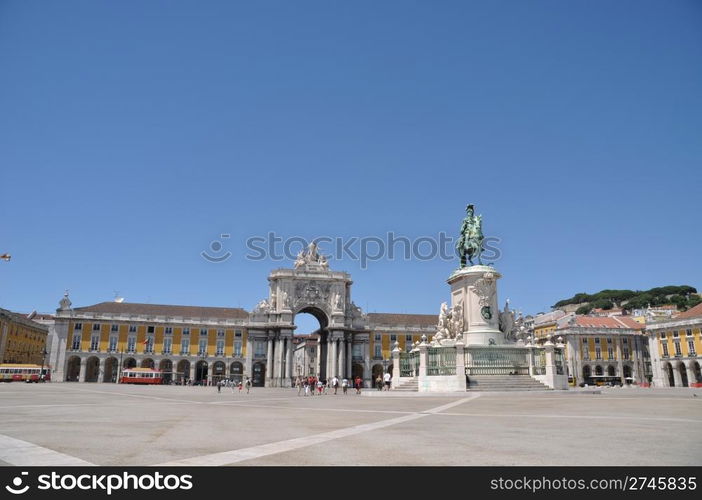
(43,358)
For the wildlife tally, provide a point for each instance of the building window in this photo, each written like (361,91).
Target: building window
(691,348)
(114,328)
(186,331)
(625,341)
(220,333)
(202,351)
(662,334)
(377,337)
(237,349)
(78,326)
(131,344)
(237,333)
(76,342)
(665,349)
(149,345)
(96,327)
(203,332)
(393,338)
(169,330)
(220,347)
(259,349)
(94,342)
(357,351)
(185,347)
(598,353)
(676,334)
(610,353)
(609,341)
(625,353)
(132,328)
(688,332)
(113,344)
(377,352)
(678,351)
(597,340)
(167,345)
(408,339)
(150,329)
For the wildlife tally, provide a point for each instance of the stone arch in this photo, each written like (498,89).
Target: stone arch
(201,372)
(695,365)
(129,363)
(587,374)
(111,370)
(182,371)
(147,363)
(599,371)
(92,369)
(668,373)
(236,371)
(73,369)
(627,373)
(683,374)
(357,371)
(259,374)
(322,316)
(219,371)
(611,371)
(165,366)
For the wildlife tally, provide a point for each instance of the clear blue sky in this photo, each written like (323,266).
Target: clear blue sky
(132,134)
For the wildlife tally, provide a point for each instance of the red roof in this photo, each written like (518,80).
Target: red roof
(695,312)
(608,322)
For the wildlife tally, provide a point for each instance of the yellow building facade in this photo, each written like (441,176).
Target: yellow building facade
(21,340)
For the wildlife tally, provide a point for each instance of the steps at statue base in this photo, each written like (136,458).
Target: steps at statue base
(505,383)
(408,386)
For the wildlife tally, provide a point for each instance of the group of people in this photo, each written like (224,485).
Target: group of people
(308,385)
(384,382)
(234,385)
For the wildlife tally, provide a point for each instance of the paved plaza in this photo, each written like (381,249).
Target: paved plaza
(105,424)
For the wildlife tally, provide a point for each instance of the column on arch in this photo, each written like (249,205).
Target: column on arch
(342,358)
(101,370)
(81,376)
(288,358)
(349,357)
(269,361)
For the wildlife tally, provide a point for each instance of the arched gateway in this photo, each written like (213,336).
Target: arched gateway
(308,288)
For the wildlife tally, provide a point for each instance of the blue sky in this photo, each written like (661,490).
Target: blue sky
(133,134)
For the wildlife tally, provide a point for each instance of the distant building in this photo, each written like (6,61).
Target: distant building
(675,344)
(598,347)
(21,339)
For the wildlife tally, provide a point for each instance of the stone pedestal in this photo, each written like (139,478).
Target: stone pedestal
(475,289)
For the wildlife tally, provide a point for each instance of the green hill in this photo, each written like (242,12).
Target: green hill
(683,297)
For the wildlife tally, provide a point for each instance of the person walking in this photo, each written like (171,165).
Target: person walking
(357,384)
(387,378)
(219,386)
(306,385)
(320,387)
(379,383)
(345,385)
(248,385)
(335,384)
(298,384)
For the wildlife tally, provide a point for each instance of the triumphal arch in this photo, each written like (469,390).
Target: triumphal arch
(310,287)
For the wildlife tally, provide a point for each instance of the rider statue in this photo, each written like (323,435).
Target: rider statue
(470,242)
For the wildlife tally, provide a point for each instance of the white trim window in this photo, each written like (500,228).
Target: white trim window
(95,342)
(378,351)
(112,347)
(610,353)
(185,347)
(678,350)
(220,348)
(259,349)
(78,326)
(132,328)
(220,333)
(149,346)
(131,344)
(691,347)
(168,330)
(75,345)
(237,349)
(167,343)
(598,353)
(114,327)
(96,327)
(665,349)
(202,351)
(186,331)
(203,332)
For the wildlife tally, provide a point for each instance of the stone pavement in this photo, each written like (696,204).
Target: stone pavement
(106,424)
